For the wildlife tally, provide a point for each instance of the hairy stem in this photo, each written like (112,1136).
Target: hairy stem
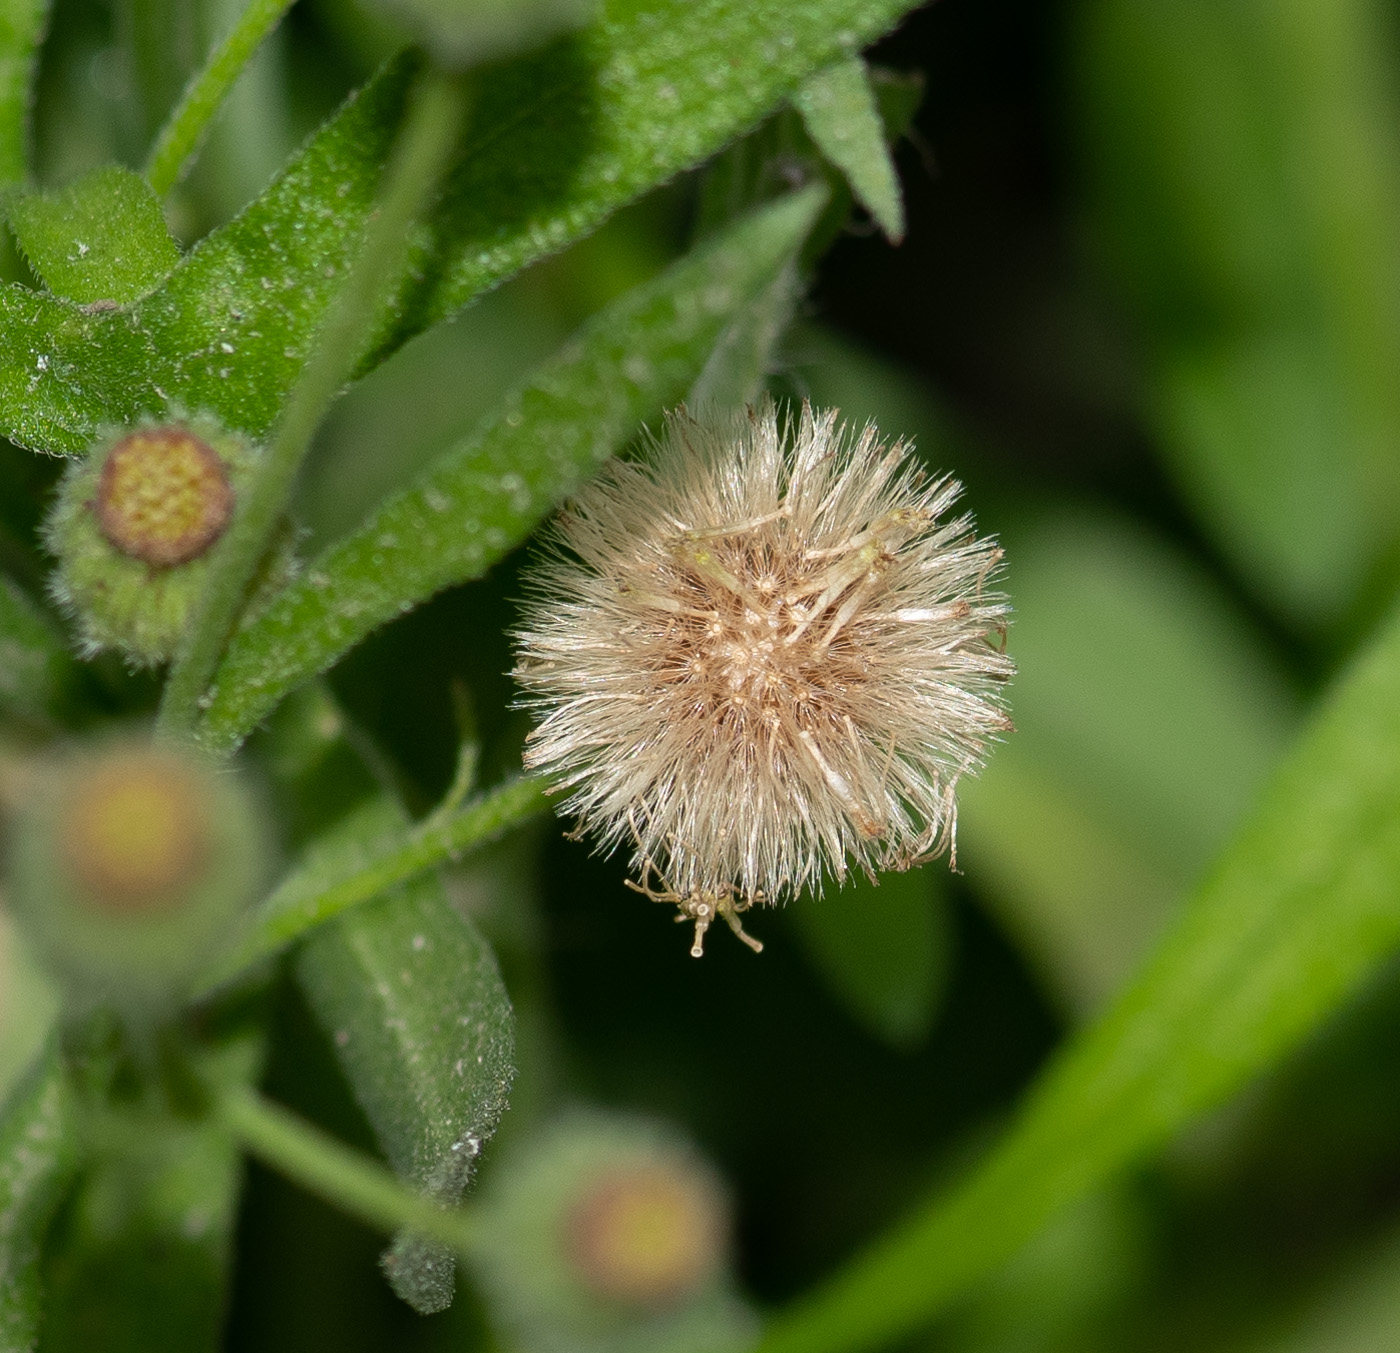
(333,1171)
(175,147)
(429,133)
(308,897)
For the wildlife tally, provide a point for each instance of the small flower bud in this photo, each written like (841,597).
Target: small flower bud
(128,865)
(607,1234)
(647,1234)
(133,526)
(163,496)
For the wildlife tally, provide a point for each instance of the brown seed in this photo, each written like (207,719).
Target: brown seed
(164,496)
(648,1235)
(135,833)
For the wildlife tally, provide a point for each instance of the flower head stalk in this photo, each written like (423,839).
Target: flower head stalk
(764,656)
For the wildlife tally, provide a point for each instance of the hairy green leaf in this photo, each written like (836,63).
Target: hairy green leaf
(35,667)
(370,850)
(140,1259)
(1301,908)
(482,497)
(839,110)
(882,949)
(558,142)
(37,1156)
(101,240)
(21,26)
(412,999)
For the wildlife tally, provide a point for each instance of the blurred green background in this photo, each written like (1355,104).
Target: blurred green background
(1148,309)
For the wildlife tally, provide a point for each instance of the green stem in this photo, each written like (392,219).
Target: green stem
(333,1171)
(429,133)
(298,904)
(187,123)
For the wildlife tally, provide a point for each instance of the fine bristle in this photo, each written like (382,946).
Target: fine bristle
(763,655)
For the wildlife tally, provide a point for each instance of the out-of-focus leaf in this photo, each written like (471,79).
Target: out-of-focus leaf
(1082,903)
(37,1155)
(101,239)
(28,1006)
(35,667)
(1357,1312)
(1247,162)
(1148,715)
(21,26)
(558,141)
(485,495)
(1303,906)
(410,996)
(733,375)
(1060,1284)
(140,1259)
(882,949)
(370,850)
(839,110)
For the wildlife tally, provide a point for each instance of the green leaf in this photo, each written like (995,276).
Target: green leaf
(1247,165)
(1148,716)
(22,25)
(882,949)
(101,239)
(1303,906)
(370,850)
(28,1006)
(559,141)
(140,1259)
(35,667)
(411,997)
(485,495)
(1357,1311)
(733,375)
(839,110)
(37,1155)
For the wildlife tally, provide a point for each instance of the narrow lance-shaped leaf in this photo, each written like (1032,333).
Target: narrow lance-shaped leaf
(21,26)
(37,1155)
(559,141)
(1301,908)
(484,496)
(410,995)
(839,110)
(366,853)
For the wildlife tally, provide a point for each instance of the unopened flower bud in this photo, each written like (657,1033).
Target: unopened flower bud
(129,864)
(133,528)
(606,1234)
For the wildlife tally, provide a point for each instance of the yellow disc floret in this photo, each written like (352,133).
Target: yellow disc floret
(164,496)
(650,1235)
(136,833)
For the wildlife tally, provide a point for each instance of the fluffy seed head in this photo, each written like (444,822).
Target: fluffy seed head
(764,655)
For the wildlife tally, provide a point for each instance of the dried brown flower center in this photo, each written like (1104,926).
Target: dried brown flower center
(759,646)
(647,1235)
(164,496)
(135,833)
